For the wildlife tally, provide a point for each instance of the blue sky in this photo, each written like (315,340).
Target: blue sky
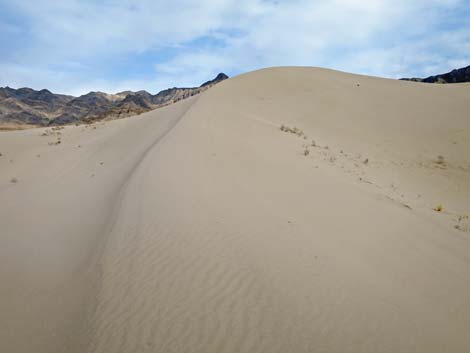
(73,47)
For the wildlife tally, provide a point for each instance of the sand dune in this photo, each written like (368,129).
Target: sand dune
(202,227)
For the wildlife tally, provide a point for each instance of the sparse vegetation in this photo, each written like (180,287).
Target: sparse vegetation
(54,131)
(439,208)
(58,142)
(440,161)
(293,130)
(306,152)
(463,224)
(14,180)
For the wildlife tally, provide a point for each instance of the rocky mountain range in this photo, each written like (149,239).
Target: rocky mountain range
(454,76)
(25,106)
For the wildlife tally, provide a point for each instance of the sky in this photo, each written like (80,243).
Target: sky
(74,47)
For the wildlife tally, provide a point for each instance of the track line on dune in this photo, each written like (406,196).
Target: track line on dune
(111,221)
(156,142)
(112,218)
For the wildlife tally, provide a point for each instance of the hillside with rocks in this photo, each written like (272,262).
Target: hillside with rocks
(26,107)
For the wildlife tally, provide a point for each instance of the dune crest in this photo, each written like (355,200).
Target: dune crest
(209,228)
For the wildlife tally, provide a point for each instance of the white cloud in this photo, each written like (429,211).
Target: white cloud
(386,38)
(380,37)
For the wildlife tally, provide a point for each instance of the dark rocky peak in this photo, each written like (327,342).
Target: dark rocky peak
(91,99)
(143,93)
(43,95)
(140,100)
(139,96)
(16,93)
(220,77)
(124,93)
(167,91)
(24,92)
(5,92)
(455,76)
(29,94)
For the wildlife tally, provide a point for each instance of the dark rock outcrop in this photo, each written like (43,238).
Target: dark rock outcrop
(455,76)
(220,77)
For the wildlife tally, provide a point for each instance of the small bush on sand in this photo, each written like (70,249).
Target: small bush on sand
(438,208)
(14,180)
(440,160)
(293,130)
(306,152)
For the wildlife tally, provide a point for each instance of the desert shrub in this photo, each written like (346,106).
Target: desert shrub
(294,130)
(306,152)
(439,208)
(14,180)
(440,160)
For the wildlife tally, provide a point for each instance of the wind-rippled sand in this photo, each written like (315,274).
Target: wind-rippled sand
(202,227)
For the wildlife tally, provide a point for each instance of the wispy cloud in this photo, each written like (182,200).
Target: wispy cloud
(74,46)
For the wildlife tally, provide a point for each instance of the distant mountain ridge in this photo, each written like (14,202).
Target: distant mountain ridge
(455,76)
(26,106)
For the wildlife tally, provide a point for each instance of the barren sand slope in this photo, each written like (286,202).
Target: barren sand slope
(229,237)
(54,220)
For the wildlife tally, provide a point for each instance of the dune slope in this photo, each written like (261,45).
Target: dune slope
(210,229)
(54,221)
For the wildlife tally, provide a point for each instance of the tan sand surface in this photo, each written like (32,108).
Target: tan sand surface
(202,227)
